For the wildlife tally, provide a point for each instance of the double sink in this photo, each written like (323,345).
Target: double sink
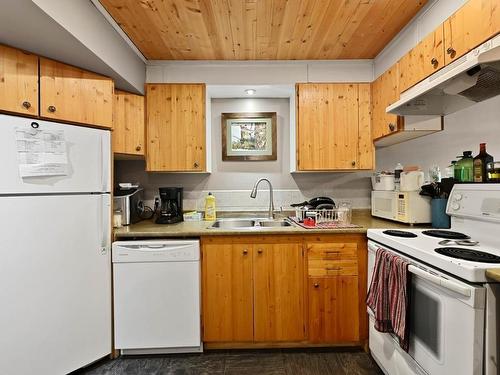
(252,223)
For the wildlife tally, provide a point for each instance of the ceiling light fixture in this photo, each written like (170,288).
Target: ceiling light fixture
(250,91)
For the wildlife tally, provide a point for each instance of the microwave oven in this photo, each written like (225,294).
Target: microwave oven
(404,206)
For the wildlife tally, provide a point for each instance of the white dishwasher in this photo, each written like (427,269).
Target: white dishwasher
(156,286)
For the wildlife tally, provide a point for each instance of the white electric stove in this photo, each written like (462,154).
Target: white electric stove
(454,310)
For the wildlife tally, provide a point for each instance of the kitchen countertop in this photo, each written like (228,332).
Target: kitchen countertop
(148,228)
(493,273)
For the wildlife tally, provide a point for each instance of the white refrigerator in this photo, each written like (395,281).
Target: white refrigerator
(55,227)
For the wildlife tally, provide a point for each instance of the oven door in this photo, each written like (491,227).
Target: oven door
(447,325)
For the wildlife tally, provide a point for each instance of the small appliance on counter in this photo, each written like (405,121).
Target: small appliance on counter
(404,206)
(170,210)
(383,181)
(411,180)
(128,203)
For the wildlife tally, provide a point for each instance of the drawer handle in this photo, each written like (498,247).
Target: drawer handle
(51,109)
(434,62)
(27,105)
(332,252)
(260,251)
(316,285)
(392,127)
(245,252)
(333,268)
(451,51)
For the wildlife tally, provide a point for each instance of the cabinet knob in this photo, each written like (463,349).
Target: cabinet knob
(260,251)
(138,148)
(353,163)
(434,62)
(51,108)
(27,105)
(316,285)
(451,51)
(245,252)
(196,165)
(392,127)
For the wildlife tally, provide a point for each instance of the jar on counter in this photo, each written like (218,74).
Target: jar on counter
(493,171)
(117,219)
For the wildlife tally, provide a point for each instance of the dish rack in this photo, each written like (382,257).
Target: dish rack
(339,215)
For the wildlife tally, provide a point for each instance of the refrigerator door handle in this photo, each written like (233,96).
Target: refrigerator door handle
(104,225)
(104,164)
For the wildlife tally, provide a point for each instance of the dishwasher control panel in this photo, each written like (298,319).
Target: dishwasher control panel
(156,251)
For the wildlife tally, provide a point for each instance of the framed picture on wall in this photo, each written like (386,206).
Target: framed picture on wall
(249,136)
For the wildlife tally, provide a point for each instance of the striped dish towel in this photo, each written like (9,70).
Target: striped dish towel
(389,296)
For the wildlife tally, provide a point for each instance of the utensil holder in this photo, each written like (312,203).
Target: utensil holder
(438,213)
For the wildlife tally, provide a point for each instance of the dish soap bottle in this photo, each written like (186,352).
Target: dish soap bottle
(210,211)
(480,163)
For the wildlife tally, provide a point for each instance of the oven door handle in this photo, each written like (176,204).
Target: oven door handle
(445,283)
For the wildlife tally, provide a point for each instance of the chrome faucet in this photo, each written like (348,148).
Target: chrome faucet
(253,194)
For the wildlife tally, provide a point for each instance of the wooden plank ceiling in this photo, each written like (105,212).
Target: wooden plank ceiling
(261,29)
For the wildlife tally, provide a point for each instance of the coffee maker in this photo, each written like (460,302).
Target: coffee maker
(170,211)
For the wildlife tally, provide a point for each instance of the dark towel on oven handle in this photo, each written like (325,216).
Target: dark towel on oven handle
(389,296)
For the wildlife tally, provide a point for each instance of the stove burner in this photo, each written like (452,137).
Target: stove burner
(399,233)
(459,242)
(468,254)
(446,234)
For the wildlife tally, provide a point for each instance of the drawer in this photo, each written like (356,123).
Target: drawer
(332,251)
(321,267)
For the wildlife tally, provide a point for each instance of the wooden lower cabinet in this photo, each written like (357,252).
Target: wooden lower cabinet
(279,292)
(333,309)
(284,290)
(227,292)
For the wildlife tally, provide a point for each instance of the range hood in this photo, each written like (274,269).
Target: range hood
(470,79)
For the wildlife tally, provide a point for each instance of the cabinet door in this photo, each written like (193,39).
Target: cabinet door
(175,127)
(423,60)
(333,309)
(385,91)
(128,123)
(279,292)
(327,126)
(471,25)
(227,293)
(366,149)
(18,81)
(71,94)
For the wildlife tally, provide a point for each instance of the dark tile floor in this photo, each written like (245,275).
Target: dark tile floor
(268,362)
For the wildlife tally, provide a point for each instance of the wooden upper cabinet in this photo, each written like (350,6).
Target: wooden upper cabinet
(422,61)
(471,25)
(334,126)
(279,307)
(18,81)
(385,91)
(71,94)
(128,123)
(175,127)
(227,293)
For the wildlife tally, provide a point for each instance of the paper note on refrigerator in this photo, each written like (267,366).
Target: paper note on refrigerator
(41,152)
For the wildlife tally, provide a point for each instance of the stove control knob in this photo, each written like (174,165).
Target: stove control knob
(457,197)
(455,206)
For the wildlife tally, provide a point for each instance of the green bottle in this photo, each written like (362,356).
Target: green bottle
(465,167)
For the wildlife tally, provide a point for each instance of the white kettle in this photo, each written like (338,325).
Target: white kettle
(411,181)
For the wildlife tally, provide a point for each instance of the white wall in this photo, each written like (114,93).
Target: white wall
(463,131)
(231,182)
(259,72)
